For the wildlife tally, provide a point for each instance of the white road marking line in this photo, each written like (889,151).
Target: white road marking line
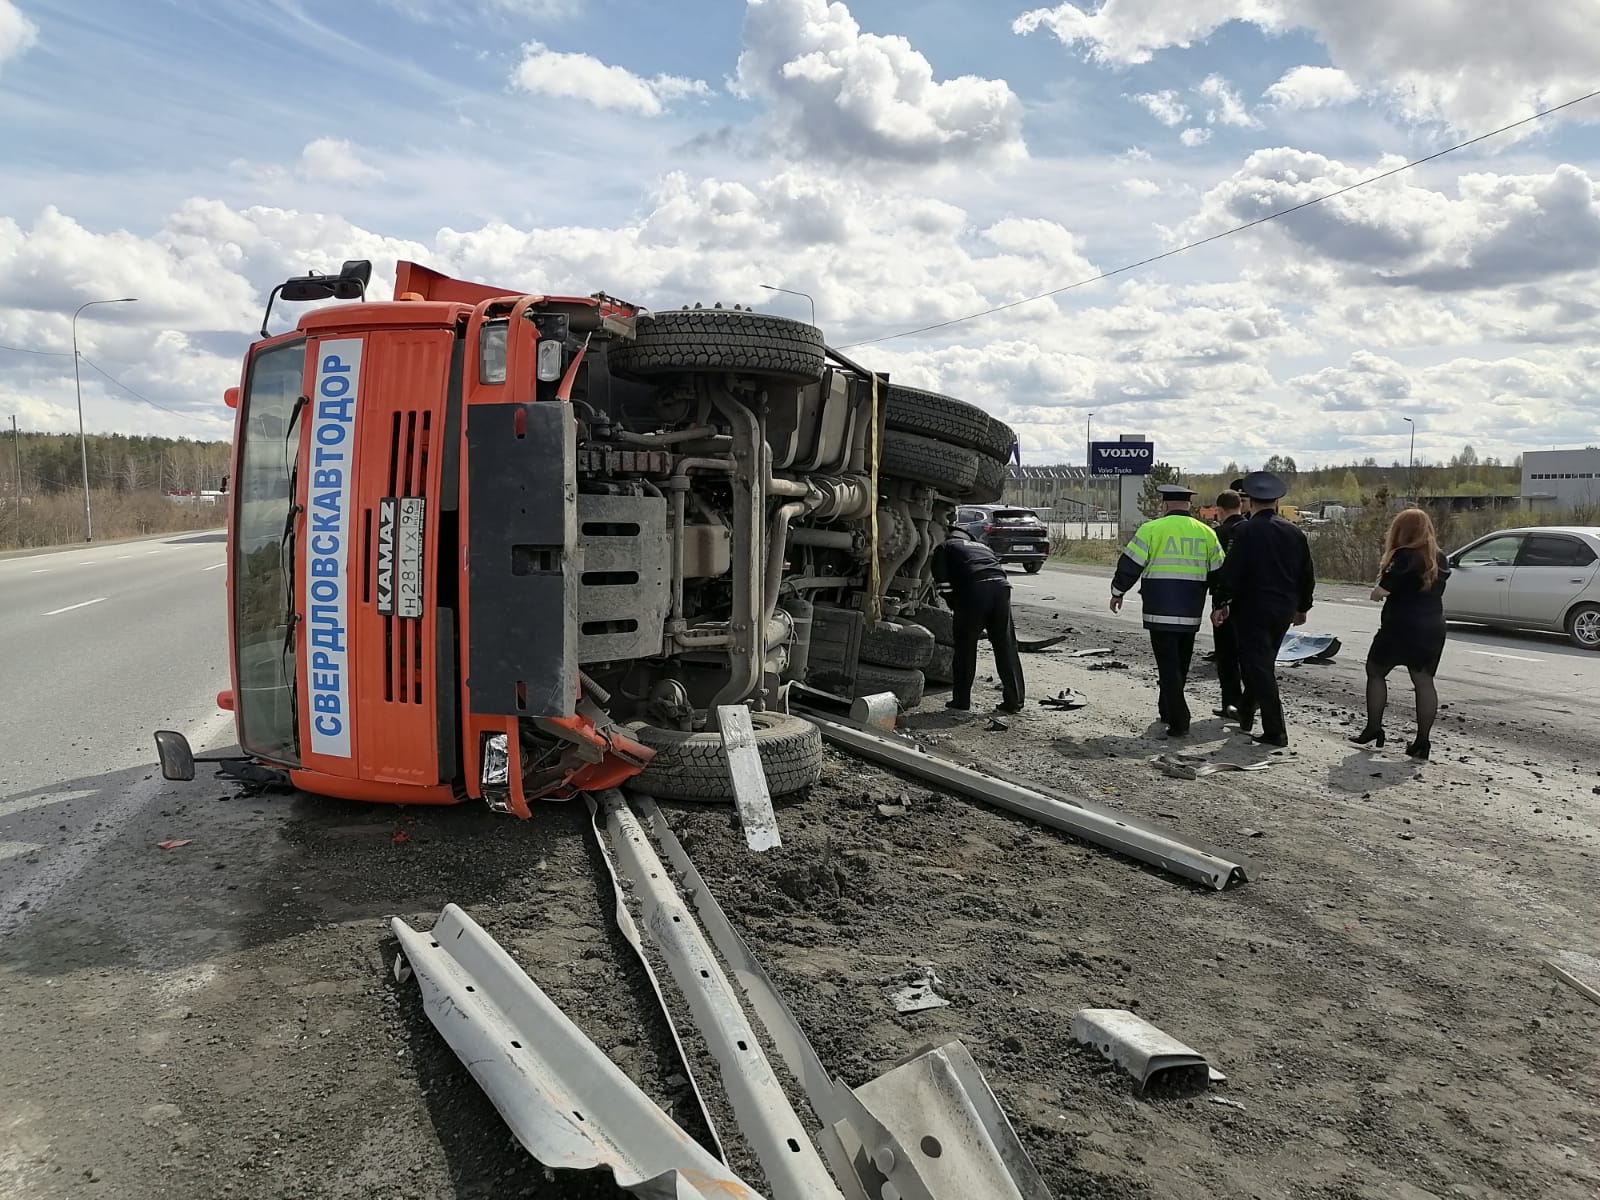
(88,562)
(150,552)
(17,849)
(214,566)
(10,808)
(120,557)
(1497,654)
(40,571)
(57,611)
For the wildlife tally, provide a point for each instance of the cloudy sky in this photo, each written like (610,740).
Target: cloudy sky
(907,165)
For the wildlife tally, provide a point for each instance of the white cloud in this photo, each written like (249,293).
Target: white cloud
(838,93)
(1196,136)
(568,76)
(17,33)
(1164,106)
(1313,87)
(335,160)
(1472,66)
(1499,230)
(1229,107)
(1140,189)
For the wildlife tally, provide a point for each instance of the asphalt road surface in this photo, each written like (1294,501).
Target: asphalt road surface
(99,646)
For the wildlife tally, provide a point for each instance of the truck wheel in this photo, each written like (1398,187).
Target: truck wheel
(941,622)
(941,667)
(1583,626)
(906,683)
(692,766)
(893,644)
(951,469)
(990,482)
(685,340)
(1002,440)
(912,410)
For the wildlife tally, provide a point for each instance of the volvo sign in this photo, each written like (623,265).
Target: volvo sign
(1121,458)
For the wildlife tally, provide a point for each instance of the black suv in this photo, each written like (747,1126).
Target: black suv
(1014,534)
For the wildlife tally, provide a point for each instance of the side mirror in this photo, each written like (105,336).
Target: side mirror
(177,759)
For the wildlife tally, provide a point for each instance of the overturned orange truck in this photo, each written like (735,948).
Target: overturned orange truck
(498,545)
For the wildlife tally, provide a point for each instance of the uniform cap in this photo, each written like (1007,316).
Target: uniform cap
(1175,491)
(1263,485)
(1237,486)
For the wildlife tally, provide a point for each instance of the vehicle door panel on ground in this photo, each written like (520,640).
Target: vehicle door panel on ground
(1552,570)
(1481,579)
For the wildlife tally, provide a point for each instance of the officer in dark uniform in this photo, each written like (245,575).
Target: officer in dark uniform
(974,584)
(1269,579)
(1226,655)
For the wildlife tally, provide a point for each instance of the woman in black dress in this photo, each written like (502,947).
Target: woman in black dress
(1411,635)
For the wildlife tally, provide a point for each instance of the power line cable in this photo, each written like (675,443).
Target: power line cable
(41,353)
(131,392)
(1216,237)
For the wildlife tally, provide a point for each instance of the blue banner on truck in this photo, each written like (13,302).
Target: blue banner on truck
(1121,458)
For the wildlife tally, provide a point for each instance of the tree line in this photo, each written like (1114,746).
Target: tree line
(42,464)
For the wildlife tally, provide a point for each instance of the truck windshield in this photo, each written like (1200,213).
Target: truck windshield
(262,555)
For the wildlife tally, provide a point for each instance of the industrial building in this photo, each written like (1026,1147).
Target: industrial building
(1561,480)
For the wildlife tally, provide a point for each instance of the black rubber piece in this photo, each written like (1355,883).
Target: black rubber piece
(893,644)
(693,766)
(950,469)
(906,683)
(941,667)
(939,621)
(684,340)
(990,482)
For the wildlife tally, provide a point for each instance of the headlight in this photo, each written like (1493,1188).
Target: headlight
(549,360)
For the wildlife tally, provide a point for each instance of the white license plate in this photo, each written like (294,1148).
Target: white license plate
(400,556)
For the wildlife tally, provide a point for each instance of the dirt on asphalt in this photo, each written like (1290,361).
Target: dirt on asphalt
(220,1019)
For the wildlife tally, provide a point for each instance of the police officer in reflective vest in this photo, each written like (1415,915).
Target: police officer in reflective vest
(1177,555)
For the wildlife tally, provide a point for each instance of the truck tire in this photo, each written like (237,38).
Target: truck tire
(692,766)
(990,482)
(941,667)
(893,644)
(950,469)
(944,418)
(1002,440)
(906,683)
(685,340)
(941,622)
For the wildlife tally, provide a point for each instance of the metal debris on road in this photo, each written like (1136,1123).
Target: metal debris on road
(564,1100)
(1223,1100)
(173,844)
(1581,971)
(1151,1056)
(996,725)
(1141,840)
(1095,652)
(1307,647)
(1178,768)
(748,778)
(1248,832)
(878,711)
(1065,701)
(921,994)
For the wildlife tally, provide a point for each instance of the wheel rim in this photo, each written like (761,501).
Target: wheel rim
(1586,627)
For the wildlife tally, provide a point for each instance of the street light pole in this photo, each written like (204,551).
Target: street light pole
(791,292)
(77,384)
(1411,461)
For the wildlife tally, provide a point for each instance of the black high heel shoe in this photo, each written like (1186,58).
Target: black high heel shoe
(1419,749)
(1372,733)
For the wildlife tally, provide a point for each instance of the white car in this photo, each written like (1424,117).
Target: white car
(1546,578)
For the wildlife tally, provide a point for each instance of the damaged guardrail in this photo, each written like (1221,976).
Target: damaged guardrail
(1116,831)
(561,1096)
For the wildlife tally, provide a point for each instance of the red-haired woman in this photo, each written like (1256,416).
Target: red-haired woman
(1411,635)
